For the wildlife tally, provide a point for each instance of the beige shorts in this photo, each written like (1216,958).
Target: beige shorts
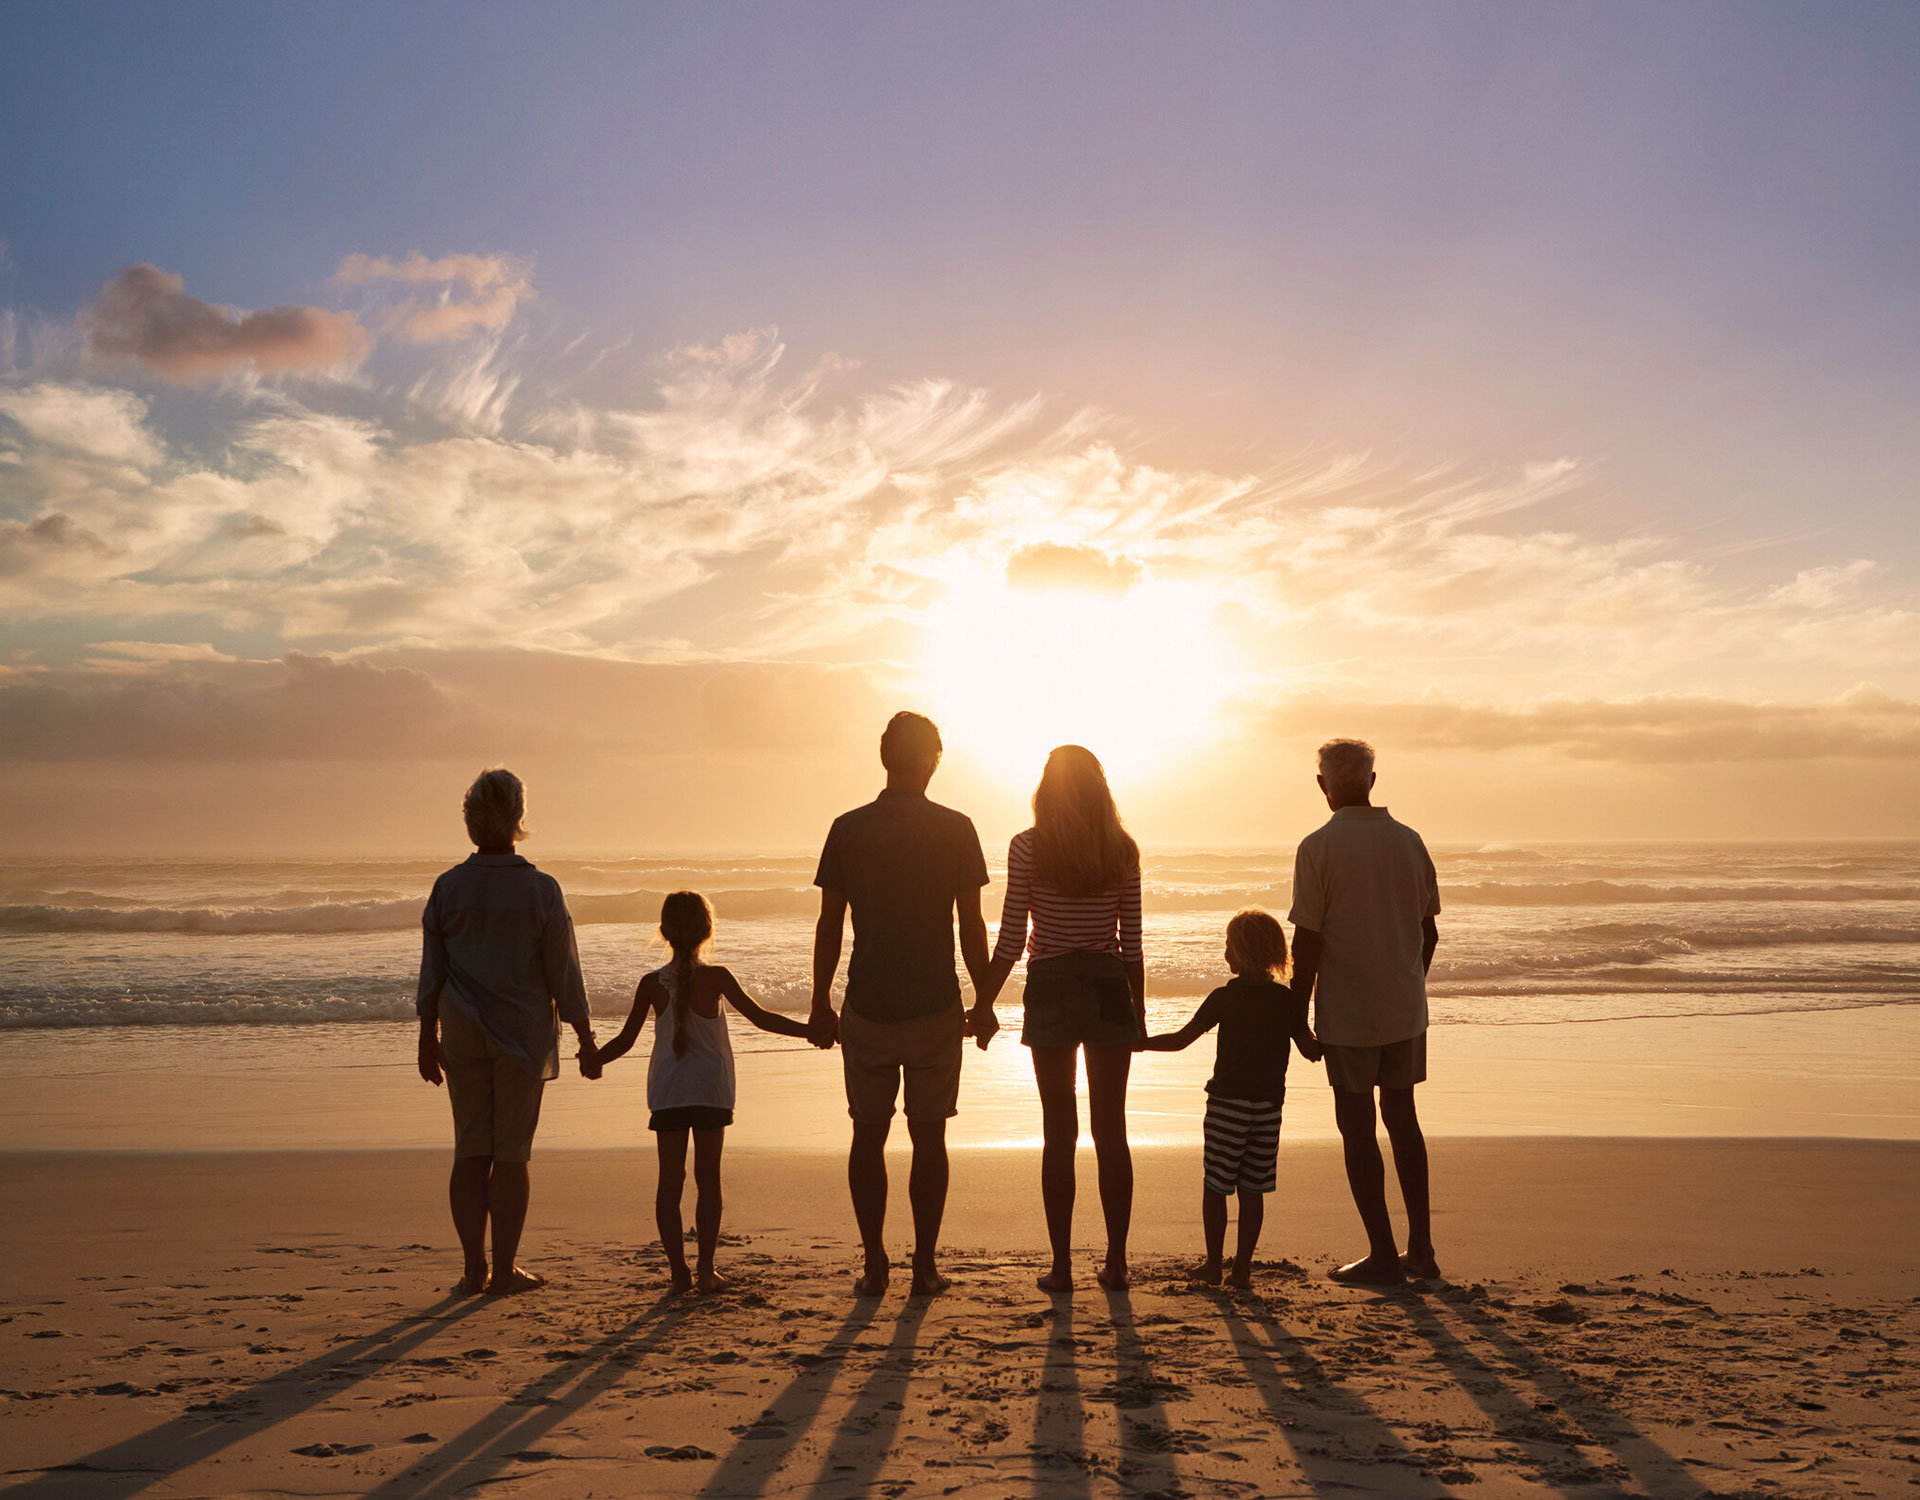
(496,1106)
(876,1055)
(1359,1070)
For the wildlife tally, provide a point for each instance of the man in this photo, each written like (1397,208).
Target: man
(904,865)
(1364,904)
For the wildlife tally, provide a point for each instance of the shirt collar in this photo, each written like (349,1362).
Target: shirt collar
(1359,813)
(497,860)
(899,794)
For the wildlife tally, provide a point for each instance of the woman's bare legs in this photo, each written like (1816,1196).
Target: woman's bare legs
(1054,1070)
(1107,1070)
(666,1205)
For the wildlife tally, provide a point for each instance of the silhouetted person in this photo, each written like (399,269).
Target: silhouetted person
(905,866)
(498,973)
(1364,903)
(1076,875)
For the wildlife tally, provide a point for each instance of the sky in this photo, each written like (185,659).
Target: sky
(655,398)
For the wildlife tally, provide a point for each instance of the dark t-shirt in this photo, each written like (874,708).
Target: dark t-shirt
(900,861)
(1256,1019)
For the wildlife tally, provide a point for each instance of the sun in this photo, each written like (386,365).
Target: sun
(1137,676)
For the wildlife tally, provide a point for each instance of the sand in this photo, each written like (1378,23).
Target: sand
(1621,1317)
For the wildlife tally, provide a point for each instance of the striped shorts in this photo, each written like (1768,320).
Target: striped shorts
(1243,1137)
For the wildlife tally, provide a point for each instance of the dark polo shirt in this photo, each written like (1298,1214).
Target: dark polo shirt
(901,861)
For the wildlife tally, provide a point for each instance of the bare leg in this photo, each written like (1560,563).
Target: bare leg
(467,1196)
(671,1146)
(508,1190)
(1213,1222)
(1253,1214)
(927,1192)
(1367,1178)
(706,1205)
(867,1182)
(1107,1069)
(1053,1071)
(1410,1165)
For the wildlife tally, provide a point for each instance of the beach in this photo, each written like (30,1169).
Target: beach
(1620,1317)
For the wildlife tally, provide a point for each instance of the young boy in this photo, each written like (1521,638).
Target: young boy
(1257,1016)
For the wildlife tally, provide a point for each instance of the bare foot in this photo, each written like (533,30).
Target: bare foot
(1241,1278)
(873,1281)
(1112,1277)
(472,1284)
(711,1281)
(928,1284)
(1425,1267)
(1369,1272)
(1055,1282)
(514,1281)
(1207,1273)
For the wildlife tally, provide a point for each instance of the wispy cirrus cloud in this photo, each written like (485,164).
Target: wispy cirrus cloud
(146,316)
(491,288)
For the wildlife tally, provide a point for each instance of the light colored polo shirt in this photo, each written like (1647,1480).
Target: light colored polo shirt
(1365,883)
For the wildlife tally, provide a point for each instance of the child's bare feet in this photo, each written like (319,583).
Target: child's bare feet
(711,1281)
(873,1280)
(1207,1273)
(1059,1279)
(472,1282)
(1112,1276)
(514,1281)
(1422,1265)
(928,1283)
(1241,1278)
(682,1280)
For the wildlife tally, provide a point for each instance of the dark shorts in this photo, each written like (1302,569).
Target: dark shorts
(1079,998)
(1359,1070)
(691,1117)
(878,1056)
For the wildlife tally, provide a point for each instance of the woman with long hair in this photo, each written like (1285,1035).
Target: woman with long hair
(1073,883)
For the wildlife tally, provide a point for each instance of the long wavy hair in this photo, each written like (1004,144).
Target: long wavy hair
(686,923)
(1079,845)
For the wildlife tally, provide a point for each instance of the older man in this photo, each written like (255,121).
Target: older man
(906,867)
(1364,906)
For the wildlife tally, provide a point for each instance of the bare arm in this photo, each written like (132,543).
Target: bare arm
(981,1022)
(426,1004)
(1429,940)
(1306,968)
(765,1019)
(823,1026)
(1186,1036)
(645,995)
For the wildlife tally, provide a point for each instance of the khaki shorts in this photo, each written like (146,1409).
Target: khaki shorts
(876,1054)
(1359,1070)
(495,1104)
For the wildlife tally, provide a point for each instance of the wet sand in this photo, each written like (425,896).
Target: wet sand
(1620,1317)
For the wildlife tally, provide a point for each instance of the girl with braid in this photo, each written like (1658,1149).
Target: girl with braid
(690,1087)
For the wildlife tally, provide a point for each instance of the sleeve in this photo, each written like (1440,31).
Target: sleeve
(1208,1015)
(1011,941)
(830,876)
(1309,907)
(433,960)
(1130,949)
(973,860)
(560,959)
(1433,882)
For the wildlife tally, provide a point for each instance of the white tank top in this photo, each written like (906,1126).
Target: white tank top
(704,1076)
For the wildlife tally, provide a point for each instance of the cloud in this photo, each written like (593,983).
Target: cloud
(494,286)
(1863,724)
(144,314)
(1051,566)
(103,423)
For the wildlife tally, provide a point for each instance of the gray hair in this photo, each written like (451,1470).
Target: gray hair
(494,807)
(1347,766)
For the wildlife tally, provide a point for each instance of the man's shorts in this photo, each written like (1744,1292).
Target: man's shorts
(496,1105)
(1243,1137)
(1359,1070)
(1076,998)
(875,1055)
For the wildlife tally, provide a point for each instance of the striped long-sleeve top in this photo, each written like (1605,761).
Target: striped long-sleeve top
(1106,923)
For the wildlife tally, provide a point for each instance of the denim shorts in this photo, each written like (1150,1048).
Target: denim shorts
(1079,998)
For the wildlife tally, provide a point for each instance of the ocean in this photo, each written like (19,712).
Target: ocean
(1569,933)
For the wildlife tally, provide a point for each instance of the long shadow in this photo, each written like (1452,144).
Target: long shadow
(1311,1386)
(127,1467)
(1146,1441)
(753,1461)
(1059,1421)
(1653,1468)
(488,1446)
(865,1435)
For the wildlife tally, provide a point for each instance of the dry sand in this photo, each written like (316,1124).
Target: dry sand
(1623,1318)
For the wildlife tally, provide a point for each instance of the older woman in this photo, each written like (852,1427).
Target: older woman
(498,974)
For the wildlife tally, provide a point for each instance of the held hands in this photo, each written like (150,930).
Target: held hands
(1310,1047)
(823,1026)
(980,1023)
(589,1058)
